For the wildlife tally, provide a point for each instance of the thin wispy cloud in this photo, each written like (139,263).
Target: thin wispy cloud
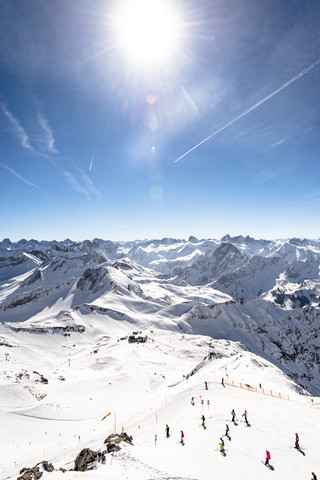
(20,177)
(75,184)
(24,139)
(278,143)
(48,133)
(17,129)
(90,185)
(313,196)
(253,107)
(80,182)
(265,176)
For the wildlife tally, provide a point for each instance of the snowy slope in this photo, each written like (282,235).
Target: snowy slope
(144,386)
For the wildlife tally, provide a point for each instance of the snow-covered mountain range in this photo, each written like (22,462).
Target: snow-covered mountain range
(242,309)
(260,292)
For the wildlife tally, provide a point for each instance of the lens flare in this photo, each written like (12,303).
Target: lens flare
(156,192)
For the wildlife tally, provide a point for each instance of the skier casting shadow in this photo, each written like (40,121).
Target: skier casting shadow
(203,422)
(268,458)
(222,449)
(245,415)
(297,445)
(233,414)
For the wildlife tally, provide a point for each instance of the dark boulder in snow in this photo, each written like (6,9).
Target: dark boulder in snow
(86,458)
(47,466)
(35,473)
(112,442)
(30,474)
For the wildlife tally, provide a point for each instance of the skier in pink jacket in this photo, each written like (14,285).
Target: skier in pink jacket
(268,457)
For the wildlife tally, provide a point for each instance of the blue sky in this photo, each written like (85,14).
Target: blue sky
(90,135)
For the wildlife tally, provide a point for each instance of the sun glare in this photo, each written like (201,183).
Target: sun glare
(147,31)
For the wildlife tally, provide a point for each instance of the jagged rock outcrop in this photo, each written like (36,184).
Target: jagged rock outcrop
(48,467)
(34,473)
(92,279)
(210,266)
(30,474)
(35,277)
(86,457)
(113,441)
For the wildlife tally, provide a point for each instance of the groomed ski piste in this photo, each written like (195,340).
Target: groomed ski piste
(145,386)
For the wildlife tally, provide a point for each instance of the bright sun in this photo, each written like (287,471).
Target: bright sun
(147,30)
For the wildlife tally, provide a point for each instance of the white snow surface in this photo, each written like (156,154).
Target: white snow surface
(144,387)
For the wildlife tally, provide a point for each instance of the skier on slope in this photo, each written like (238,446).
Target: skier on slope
(268,457)
(227,430)
(182,437)
(245,416)
(314,476)
(167,431)
(233,413)
(296,443)
(221,445)
(192,400)
(203,418)
(206,385)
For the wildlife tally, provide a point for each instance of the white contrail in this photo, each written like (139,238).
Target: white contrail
(94,152)
(20,177)
(306,70)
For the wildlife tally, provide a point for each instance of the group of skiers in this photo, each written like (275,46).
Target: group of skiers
(233,417)
(245,415)
(221,444)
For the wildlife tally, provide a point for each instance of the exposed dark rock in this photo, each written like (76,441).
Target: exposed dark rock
(48,467)
(42,379)
(47,329)
(85,457)
(4,343)
(24,299)
(30,474)
(92,279)
(112,441)
(33,278)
